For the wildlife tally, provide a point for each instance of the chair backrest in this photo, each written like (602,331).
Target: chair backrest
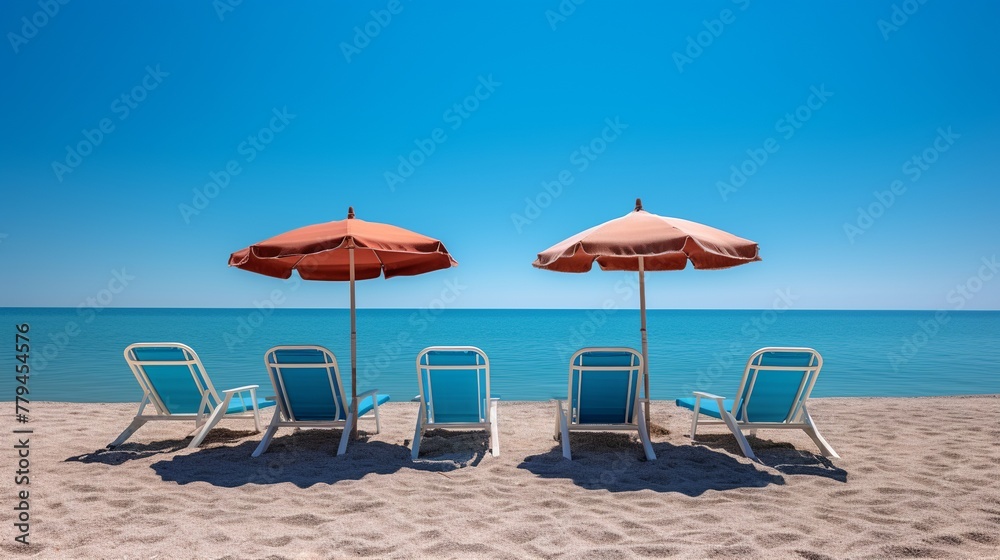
(173,376)
(454,384)
(604,385)
(307,383)
(776,383)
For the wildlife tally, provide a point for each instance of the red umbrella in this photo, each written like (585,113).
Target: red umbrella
(350,250)
(640,241)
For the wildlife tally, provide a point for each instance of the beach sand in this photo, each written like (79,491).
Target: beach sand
(918,478)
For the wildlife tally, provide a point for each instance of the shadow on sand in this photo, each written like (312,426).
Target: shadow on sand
(615,462)
(779,455)
(304,458)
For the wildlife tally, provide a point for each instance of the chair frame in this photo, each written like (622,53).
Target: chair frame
(797,418)
(211,410)
(487,406)
(568,421)
(284,416)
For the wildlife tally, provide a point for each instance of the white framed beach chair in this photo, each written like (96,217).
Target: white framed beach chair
(174,382)
(604,386)
(455,393)
(772,395)
(310,394)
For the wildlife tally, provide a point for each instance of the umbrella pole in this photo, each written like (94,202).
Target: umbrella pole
(645,343)
(354,353)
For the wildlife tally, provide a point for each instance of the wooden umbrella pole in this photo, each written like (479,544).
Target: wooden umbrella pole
(645,343)
(354,353)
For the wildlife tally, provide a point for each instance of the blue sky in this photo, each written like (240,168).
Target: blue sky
(123,117)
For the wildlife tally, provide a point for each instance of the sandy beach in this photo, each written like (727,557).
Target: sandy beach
(918,478)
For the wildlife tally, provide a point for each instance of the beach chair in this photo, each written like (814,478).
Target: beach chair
(772,395)
(175,383)
(603,395)
(310,394)
(455,393)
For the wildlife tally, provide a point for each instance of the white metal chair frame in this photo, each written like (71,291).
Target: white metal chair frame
(798,417)
(212,408)
(487,405)
(567,422)
(284,416)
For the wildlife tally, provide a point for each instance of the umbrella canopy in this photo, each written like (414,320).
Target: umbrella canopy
(345,250)
(640,241)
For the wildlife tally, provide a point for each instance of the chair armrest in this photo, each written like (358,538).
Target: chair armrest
(494,397)
(241,389)
(705,395)
(415,399)
(366,394)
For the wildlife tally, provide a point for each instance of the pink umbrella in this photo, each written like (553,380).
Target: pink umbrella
(640,241)
(345,250)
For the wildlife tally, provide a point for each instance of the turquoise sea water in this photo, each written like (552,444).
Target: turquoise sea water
(76,355)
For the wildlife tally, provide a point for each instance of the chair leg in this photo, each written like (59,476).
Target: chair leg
(417,433)
(217,415)
(135,425)
(494,430)
(738,434)
(813,433)
(378,423)
(555,431)
(564,432)
(342,448)
(647,445)
(694,419)
(265,442)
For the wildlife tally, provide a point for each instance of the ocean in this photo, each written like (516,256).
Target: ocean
(76,354)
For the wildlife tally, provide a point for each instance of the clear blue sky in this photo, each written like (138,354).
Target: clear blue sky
(696,85)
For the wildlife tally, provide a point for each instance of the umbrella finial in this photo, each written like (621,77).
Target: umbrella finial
(638,204)
(350,212)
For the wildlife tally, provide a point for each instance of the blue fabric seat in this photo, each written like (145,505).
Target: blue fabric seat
(174,381)
(708,407)
(772,394)
(454,384)
(603,395)
(310,394)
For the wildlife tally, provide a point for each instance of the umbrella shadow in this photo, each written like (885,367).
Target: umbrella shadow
(131,451)
(779,455)
(616,463)
(303,458)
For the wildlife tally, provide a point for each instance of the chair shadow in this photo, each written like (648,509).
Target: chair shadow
(782,456)
(615,462)
(447,448)
(304,458)
(131,451)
